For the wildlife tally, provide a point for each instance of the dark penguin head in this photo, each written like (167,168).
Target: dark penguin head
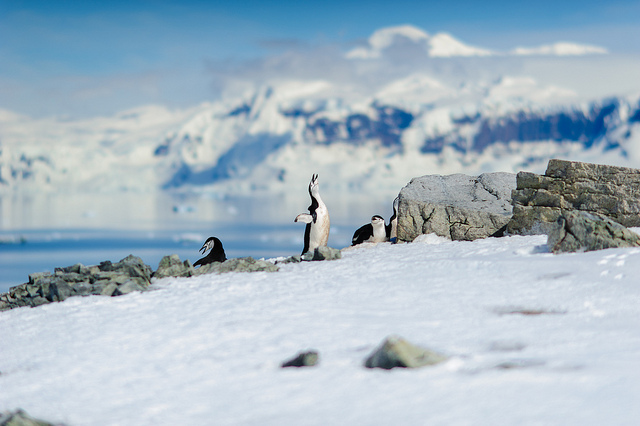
(314,193)
(210,244)
(216,254)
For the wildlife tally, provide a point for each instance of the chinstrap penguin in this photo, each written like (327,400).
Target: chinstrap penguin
(392,227)
(316,233)
(374,232)
(215,255)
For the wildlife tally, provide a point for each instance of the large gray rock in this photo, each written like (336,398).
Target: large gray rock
(582,231)
(539,200)
(397,352)
(457,206)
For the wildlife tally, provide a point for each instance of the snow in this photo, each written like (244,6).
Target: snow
(533,338)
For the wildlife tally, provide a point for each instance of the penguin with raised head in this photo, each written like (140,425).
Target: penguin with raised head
(215,255)
(316,233)
(374,232)
(392,227)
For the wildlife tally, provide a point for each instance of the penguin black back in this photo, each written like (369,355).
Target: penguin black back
(374,232)
(215,255)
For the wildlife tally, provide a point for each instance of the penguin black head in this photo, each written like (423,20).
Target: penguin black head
(216,254)
(210,244)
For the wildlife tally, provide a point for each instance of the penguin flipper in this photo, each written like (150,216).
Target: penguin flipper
(362,234)
(304,217)
(200,262)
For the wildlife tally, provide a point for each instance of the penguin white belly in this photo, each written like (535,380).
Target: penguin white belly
(319,233)
(379,233)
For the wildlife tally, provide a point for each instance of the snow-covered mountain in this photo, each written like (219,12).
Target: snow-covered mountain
(373,130)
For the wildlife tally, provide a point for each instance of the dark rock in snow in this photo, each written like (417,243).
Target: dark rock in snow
(582,231)
(397,352)
(20,417)
(303,359)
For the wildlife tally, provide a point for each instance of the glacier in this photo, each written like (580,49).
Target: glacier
(366,124)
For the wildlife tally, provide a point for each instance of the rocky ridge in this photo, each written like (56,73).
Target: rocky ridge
(610,191)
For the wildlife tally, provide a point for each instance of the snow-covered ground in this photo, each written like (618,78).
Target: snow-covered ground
(534,338)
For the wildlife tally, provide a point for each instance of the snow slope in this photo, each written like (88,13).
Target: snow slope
(534,338)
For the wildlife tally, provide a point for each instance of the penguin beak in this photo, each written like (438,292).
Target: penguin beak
(203,249)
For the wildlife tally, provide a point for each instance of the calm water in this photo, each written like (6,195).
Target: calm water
(41,232)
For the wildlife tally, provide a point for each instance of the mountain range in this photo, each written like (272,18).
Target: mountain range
(401,104)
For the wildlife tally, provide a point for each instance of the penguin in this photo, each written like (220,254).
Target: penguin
(374,232)
(215,255)
(392,227)
(316,233)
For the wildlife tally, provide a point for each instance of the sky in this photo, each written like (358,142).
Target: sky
(75,58)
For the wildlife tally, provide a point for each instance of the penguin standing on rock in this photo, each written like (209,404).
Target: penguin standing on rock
(374,232)
(215,255)
(316,233)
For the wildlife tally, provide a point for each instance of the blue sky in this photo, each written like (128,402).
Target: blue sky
(95,57)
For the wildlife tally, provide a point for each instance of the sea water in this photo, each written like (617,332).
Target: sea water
(41,232)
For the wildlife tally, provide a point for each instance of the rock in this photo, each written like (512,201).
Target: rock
(397,352)
(133,284)
(326,253)
(108,279)
(21,418)
(172,266)
(241,264)
(538,200)
(582,231)
(303,359)
(293,259)
(458,206)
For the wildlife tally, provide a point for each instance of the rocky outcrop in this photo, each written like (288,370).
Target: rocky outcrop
(107,279)
(582,231)
(114,279)
(457,206)
(397,352)
(539,200)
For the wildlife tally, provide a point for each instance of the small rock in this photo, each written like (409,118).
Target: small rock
(109,289)
(172,266)
(397,352)
(326,253)
(303,359)
(293,259)
(129,286)
(21,418)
